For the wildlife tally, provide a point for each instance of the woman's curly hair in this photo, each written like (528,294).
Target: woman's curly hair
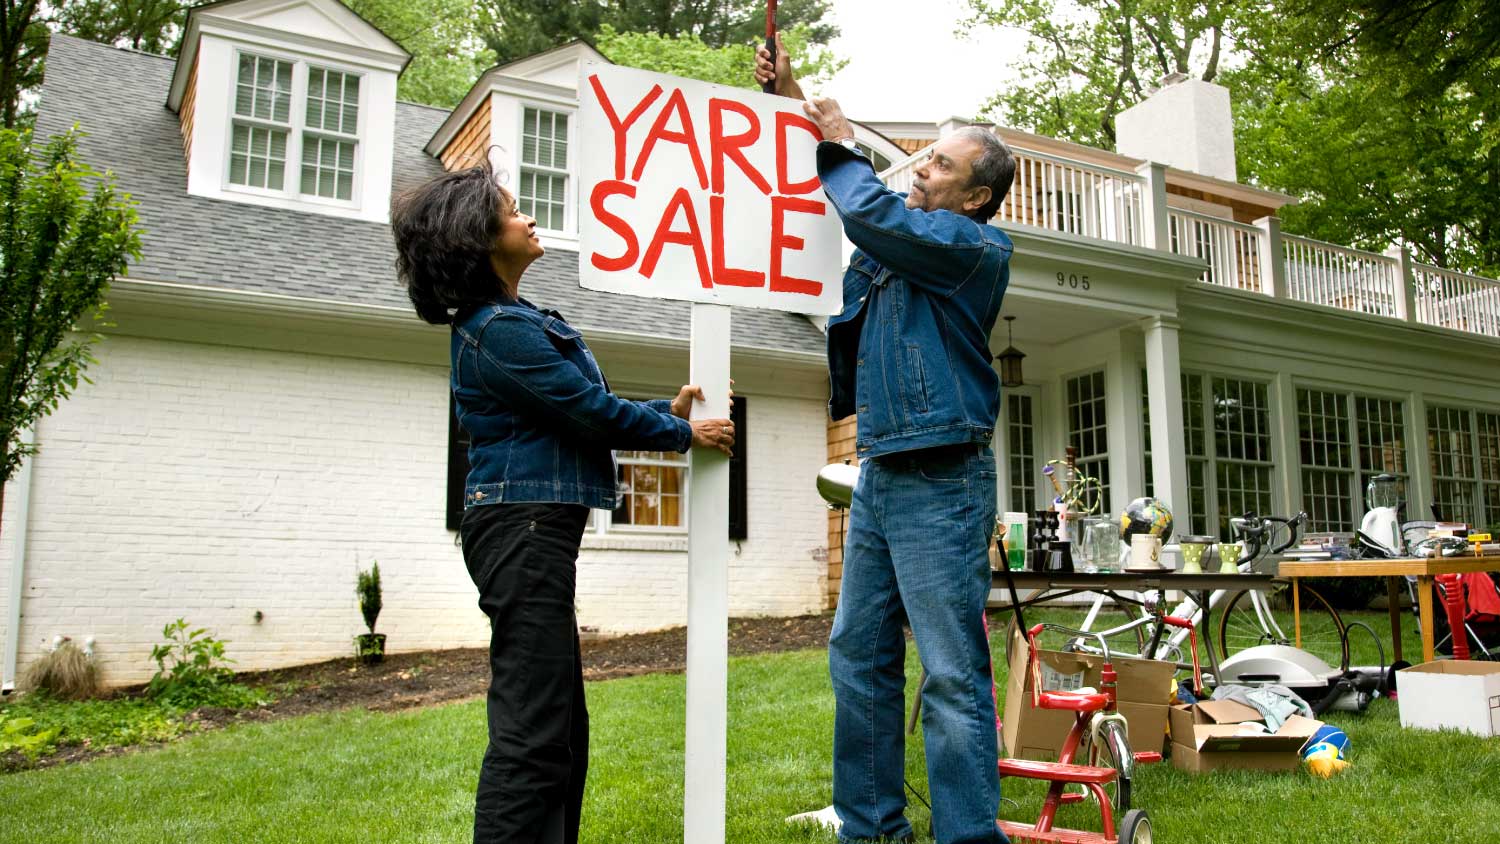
(445,231)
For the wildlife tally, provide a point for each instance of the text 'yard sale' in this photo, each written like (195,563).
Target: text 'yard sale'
(701,192)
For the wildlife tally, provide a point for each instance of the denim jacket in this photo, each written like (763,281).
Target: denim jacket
(909,354)
(540,416)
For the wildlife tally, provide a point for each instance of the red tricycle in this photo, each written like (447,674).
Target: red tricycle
(1099,737)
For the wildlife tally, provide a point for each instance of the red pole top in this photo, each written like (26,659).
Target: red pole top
(770,20)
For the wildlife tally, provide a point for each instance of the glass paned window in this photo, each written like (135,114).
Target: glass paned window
(262,114)
(1242,449)
(263,90)
(1382,440)
(328,167)
(1489,469)
(1326,451)
(257,157)
(1021,431)
(653,488)
(331,136)
(1087,430)
(544,167)
(1195,446)
(1450,448)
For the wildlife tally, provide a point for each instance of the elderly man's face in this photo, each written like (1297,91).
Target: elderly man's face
(942,181)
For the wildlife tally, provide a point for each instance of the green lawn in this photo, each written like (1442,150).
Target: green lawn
(408,777)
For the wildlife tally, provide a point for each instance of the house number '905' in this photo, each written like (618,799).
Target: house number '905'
(1073,280)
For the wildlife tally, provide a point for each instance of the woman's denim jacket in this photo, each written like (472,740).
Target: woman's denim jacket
(540,416)
(909,354)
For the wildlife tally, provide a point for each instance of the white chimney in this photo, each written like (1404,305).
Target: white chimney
(1185,124)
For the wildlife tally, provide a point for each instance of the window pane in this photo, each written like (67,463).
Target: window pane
(346,186)
(1449,442)
(263,89)
(1087,432)
(1019,424)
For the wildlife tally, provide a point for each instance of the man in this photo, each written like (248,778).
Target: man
(909,356)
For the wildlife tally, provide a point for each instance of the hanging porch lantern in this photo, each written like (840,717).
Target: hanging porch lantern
(1010,359)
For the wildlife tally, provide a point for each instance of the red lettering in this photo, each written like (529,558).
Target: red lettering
(603,191)
(723,274)
(621,128)
(780,205)
(785,119)
(687,137)
(666,234)
(721,146)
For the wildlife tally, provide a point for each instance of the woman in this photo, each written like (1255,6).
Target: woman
(542,424)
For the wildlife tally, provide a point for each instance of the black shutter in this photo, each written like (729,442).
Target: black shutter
(739,524)
(458,465)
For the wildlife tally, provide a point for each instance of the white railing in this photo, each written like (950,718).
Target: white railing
(1324,274)
(1231,249)
(1078,198)
(1449,299)
(1057,194)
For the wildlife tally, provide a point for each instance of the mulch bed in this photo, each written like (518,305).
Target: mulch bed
(425,678)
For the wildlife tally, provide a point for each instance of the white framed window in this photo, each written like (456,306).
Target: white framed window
(543,190)
(1088,431)
(1463,448)
(653,494)
(1232,422)
(295,129)
(1020,452)
(1344,439)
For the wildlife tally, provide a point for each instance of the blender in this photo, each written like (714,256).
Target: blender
(1381,526)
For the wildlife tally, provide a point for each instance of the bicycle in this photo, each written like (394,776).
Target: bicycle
(1249,617)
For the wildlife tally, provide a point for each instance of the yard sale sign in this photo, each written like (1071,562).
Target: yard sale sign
(704,193)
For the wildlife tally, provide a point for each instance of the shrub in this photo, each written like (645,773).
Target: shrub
(192,671)
(23,735)
(66,672)
(367,587)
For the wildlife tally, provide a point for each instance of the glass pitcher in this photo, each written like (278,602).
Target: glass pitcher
(1382,492)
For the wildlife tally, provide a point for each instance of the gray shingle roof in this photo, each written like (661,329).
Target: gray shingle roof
(119,98)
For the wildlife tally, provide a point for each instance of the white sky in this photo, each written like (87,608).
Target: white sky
(907,63)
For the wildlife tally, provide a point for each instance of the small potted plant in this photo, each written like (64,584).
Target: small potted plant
(369,647)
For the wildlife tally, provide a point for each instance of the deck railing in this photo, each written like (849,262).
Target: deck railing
(1232,250)
(1057,194)
(1093,201)
(1449,299)
(1324,274)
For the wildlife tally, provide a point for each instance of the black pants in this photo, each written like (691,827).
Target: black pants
(523,558)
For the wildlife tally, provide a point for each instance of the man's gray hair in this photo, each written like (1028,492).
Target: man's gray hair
(994,166)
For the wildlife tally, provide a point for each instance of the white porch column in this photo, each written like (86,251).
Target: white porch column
(1122,402)
(1272,266)
(1406,284)
(1418,460)
(1164,383)
(1154,231)
(1285,443)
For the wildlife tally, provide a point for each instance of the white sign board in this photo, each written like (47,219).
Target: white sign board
(704,193)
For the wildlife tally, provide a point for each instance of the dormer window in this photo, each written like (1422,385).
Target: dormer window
(543,190)
(286,111)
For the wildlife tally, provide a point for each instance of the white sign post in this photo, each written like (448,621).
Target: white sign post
(707,194)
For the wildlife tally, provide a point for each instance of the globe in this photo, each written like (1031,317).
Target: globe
(1146,516)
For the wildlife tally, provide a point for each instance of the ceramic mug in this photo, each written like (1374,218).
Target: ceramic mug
(1229,557)
(1145,551)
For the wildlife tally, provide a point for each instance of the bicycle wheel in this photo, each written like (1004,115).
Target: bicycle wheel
(1128,610)
(1113,751)
(1246,623)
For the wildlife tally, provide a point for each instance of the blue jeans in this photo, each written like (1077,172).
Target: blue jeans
(916,548)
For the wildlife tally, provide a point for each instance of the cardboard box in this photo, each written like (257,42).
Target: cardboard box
(1210,736)
(1144,691)
(1450,694)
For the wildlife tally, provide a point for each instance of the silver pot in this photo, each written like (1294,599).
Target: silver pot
(836,483)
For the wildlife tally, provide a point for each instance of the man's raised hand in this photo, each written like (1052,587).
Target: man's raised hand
(786,83)
(825,112)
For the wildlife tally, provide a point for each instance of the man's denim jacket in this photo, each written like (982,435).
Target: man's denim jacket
(540,416)
(909,353)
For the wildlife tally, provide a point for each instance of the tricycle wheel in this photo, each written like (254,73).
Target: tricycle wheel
(1135,827)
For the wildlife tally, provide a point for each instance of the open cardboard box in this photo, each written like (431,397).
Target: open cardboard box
(1209,736)
(1144,689)
(1450,694)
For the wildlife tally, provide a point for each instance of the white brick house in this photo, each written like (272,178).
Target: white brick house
(268,414)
